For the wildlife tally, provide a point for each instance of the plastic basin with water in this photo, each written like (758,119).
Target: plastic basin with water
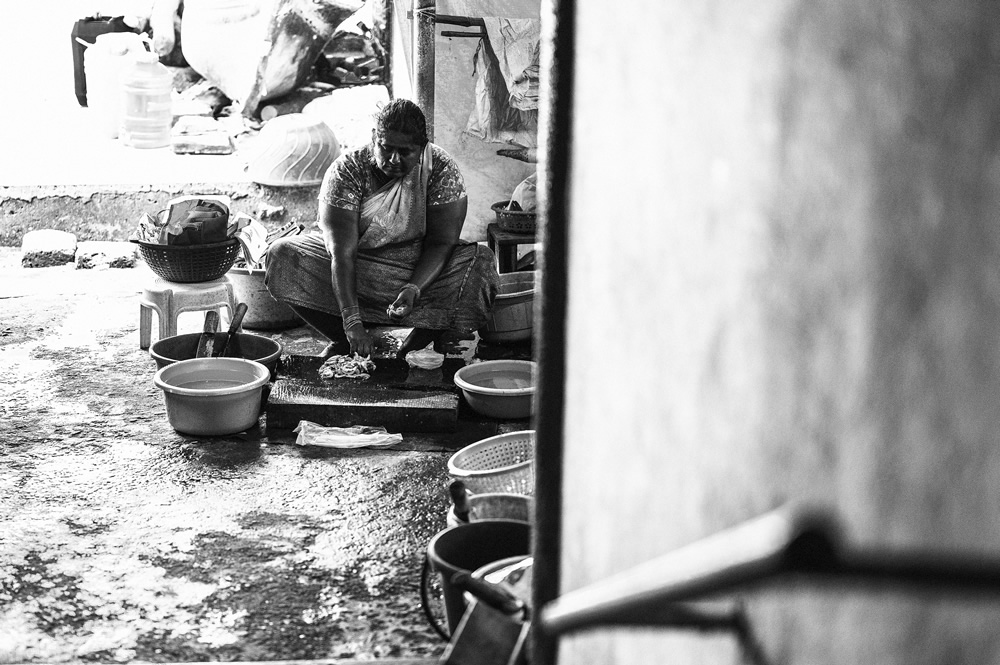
(498,388)
(212,396)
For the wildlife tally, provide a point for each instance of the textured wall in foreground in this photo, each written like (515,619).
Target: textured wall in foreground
(784,282)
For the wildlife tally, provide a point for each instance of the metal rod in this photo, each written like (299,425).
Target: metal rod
(747,554)
(388,20)
(466,21)
(918,571)
(462,33)
(673,615)
(799,546)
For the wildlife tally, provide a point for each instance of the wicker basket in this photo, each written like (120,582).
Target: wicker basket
(513,221)
(502,463)
(190,263)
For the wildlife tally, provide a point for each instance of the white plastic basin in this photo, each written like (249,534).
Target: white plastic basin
(212,396)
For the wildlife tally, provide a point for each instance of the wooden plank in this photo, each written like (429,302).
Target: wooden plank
(394,397)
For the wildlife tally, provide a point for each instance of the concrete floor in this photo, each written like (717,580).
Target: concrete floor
(124,541)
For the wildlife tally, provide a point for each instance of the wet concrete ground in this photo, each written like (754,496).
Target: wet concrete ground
(122,540)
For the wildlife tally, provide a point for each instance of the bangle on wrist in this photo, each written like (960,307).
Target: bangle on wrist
(414,287)
(347,311)
(352,320)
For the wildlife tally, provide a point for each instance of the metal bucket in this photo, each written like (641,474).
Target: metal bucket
(469,547)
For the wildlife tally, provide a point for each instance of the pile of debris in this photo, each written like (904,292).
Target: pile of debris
(46,248)
(225,86)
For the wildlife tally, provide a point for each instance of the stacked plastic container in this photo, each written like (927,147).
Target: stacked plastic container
(104,63)
(147,114)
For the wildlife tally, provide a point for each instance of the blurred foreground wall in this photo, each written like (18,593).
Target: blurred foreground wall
(784,286)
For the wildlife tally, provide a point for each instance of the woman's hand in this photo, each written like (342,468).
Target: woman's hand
(403,305)
(361,342)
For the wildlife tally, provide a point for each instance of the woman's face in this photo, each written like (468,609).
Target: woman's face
(396,153)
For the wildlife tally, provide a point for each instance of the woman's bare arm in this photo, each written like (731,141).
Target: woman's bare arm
(444,227)
(340,235)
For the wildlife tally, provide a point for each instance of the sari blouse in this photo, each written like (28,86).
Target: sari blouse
(354,177)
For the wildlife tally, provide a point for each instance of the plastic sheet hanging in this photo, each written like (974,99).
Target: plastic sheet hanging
(506,109)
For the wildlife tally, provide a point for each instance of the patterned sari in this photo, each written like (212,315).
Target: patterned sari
(391,232)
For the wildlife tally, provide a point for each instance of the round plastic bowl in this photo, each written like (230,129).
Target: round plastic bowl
(292,150)
(498,388)
(264,350)
(212,396)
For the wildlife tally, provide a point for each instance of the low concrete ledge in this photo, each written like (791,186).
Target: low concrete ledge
(92,212)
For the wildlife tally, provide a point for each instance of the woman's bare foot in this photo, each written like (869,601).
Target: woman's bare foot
(449,341)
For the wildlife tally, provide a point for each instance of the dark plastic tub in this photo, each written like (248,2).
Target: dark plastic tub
(264,350)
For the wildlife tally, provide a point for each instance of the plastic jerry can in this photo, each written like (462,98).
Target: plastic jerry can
(104,63)
(147,113)
(86,30)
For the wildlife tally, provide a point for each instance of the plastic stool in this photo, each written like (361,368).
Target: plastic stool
(169,299)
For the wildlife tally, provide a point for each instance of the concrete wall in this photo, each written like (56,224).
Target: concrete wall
(488,177)
(111,212)
(783,287)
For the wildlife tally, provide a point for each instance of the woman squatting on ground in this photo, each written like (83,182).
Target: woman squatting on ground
(387,249)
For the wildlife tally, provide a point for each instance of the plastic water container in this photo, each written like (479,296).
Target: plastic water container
(104,63)
(82,37)
(147,114)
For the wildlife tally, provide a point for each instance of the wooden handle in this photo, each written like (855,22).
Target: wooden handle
(234,326)
(207,339)
(241,311)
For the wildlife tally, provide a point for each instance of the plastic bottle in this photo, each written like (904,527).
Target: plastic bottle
(147,115)
(104,62)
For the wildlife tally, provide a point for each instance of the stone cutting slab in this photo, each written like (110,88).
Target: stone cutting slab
(397,397)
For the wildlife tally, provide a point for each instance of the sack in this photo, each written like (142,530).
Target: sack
(193,220)
(524,193)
